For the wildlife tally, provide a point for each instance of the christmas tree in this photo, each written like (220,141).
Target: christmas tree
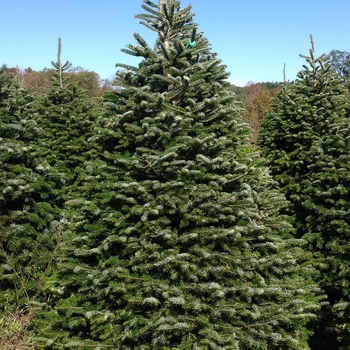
(66,115)
(178,243)
(307,145)
(29,228)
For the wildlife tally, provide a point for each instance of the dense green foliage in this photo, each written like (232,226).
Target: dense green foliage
(66,117)
(148,220)
(307,143)
(178,241)
(28,213)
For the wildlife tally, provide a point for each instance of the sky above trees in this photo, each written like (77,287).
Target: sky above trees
(254,38)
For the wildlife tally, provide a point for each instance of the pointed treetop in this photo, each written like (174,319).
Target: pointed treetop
(162,8)
(317,65)
(161,19)
(58,65)
(312,45)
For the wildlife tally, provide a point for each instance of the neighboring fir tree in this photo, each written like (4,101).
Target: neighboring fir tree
(306,141)
(178,243)
(6,79)
(66,114)
(29,227)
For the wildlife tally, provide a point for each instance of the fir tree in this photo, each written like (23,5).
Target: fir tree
(307,144)
(5,82)
(66,115)
(29,227)
(178,243)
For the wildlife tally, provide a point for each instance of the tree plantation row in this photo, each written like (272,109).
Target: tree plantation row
(149,214)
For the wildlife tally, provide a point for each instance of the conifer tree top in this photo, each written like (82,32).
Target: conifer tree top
(59,66)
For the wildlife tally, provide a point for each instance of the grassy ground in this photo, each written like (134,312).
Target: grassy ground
(14,332)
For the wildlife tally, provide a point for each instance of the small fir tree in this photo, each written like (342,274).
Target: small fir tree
(178,243)
(307,144)
(29,228)
(66,115)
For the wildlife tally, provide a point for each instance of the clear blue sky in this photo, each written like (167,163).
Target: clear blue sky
(254,38)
